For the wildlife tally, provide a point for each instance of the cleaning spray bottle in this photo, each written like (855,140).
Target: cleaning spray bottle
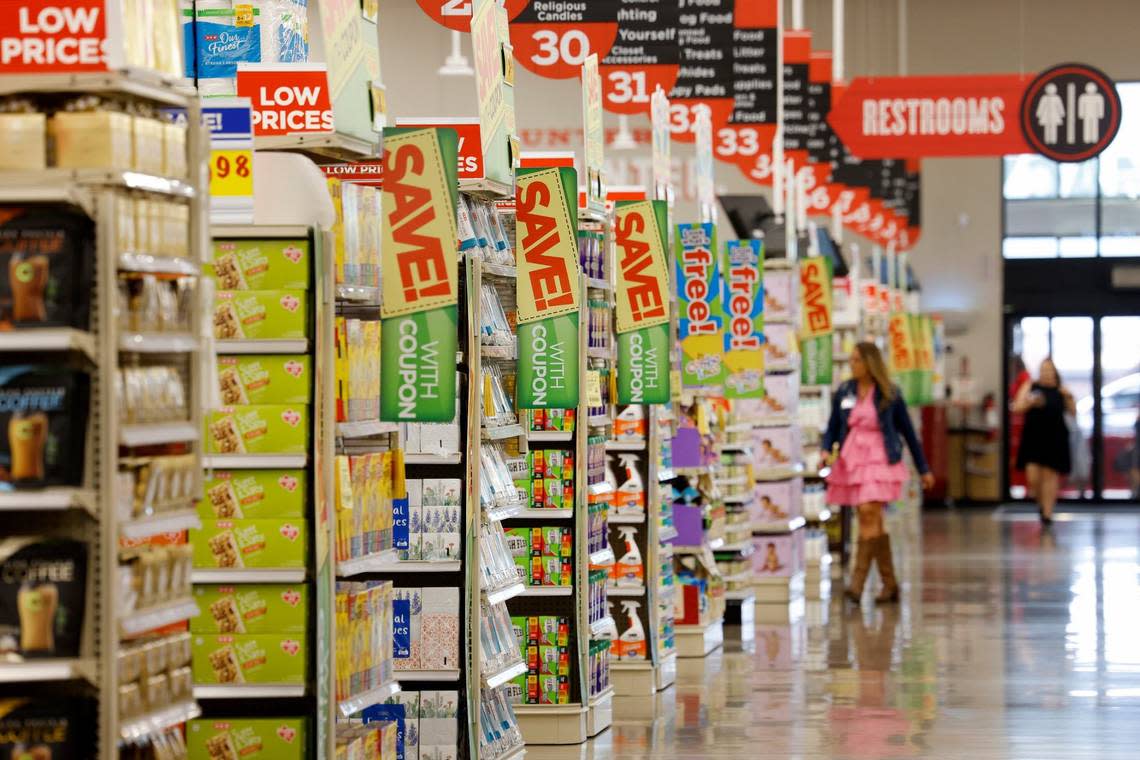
(630,424)
(632,639)
(629,568)
(631,493)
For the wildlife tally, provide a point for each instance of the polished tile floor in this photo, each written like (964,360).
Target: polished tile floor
(1009,643)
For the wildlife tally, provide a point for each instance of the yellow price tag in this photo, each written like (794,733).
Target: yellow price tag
(593,388)
(231,173)
(703,418)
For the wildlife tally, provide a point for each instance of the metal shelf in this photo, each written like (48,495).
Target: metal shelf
(497,678)
(602,557)
(617,591)
(598,284)
(498,514)
(541,436)
(503,432)
(545,514)
(149,618)
(352,705)
(158,343)
(48,670)
(48,500)
(296,346)
(48,339)
(158,721)
(329,145)
(254,461)
(598,627)
(158,433)
(506,353)
(173,521)
(141,83)
(427,675)
(738,547)
(43,184)
(365,428)
(626,445)
(615,519)
(548,591)
(144,262)
(418,566)
(365,295)
(742,595)
(500,270)
(779,526)
(347,568)
(486,188)
(248,575)
(259,231)
(503,593)
(249,691)
(433,459)
(598,352)
(599,420)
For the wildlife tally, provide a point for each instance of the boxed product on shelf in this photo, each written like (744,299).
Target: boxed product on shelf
(434,507)
(782,395)
(23,130)
(265,379)
(154,672)
(365,487)
(545,642)
(45,415)
(779,346)
(554,420)
(233,658)
(439,725)
(258,429)
(265,738)
(776,501)
(437,438)
(261,314)
(240,608)
(147,486)
(60,727)
(48,253)
(781,295)
(269,542)
(356,233)
(426,628)
(152,573)
(272,31)
(631,423)
(43,596)
(551,481)
(628,498)
(247,264)
(376,741)
(776,448)
(365,647)
(357,369)
(240,494)
(629,565)
(403,709)
(542,555)
(778,555)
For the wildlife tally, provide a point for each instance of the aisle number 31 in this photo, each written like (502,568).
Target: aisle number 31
(231,172)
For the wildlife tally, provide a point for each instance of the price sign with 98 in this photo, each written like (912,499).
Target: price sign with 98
(231,172)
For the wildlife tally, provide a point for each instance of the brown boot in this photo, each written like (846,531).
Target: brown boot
(886,562)
(864,553)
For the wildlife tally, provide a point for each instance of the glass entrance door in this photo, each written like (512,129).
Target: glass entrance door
(1099,362)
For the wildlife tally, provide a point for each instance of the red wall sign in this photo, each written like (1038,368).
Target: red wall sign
(44,36)
(913,117)
(286,99)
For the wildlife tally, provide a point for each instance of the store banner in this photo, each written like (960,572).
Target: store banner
(902,358)
(751,129)
(495,95)
(230,122)
(701,329)
(470,141)
(705,78)
(816,321)
(549,287)
(706,183)
(594,137)
(796,127)
(287,99)
(642,312)
(744,303)
(51,37)
(420,287)
(554,41)
(644,56)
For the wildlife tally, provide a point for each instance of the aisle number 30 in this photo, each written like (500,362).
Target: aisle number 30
(231,172)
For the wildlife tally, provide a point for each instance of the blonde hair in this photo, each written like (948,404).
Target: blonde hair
(877,369)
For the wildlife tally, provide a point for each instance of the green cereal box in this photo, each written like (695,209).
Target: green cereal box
(258,429)
(250,543)
(265,379)
(248,494)
(248,658)
(247,738)
(277,608)
(261,314)
(261,264)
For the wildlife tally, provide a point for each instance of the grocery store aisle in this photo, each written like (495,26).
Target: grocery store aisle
(1009,644)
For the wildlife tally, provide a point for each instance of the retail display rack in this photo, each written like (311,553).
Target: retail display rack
(103,247)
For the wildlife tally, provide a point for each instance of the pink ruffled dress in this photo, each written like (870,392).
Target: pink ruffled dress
(862,472)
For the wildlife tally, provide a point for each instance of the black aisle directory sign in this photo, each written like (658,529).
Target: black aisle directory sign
(704,34)
(747,139)
(645,55)
(797,129)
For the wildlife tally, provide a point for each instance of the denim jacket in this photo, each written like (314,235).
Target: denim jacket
(894,421)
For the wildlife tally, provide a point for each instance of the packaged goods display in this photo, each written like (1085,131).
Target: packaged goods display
(147,486)
(44,414)
(265,379)
(497,484)
(545,641)
(498,565)
(247,264)
(600,325)
(554,420)
(631,423)
(151,304)
(364,645)
(279,542)
(154,673)
(550,484)
(498,645)
(435,438)
(591,253)
(629,566)
(235,658)
(47,253)
(496,328)
(261,738)
(433,520)
(241,494)
(596,595)
(258,429)
(498,407)
(261,314)
(366,485)
(499,730)
(482,230)
(254,608)
(426,723)
(427,628)
(43,596)
(543,556)
(603,379)
(357,369)
(220,35)
(152,574)
(629,485)
(152,394)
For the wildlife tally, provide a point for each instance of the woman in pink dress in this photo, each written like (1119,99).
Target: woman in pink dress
(869,422)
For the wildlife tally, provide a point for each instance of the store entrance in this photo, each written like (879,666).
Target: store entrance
(1099,361)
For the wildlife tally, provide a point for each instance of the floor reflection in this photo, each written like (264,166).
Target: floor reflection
(1009,643)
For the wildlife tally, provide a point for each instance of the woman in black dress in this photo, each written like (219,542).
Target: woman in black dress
(1044,452)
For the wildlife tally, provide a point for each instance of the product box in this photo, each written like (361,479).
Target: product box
(277,543)
(46,266)
(258,429)
(260,264)
(265,379)
(51,728)
(779,346)
(781,288)
(776,448)
(439,726)
(775,502)
(247,738)
(781,397)
(439,629)
(43,596)
(24,136)
(249,658)
(92,139)
(404,710)
(43,425)
(277,608)
(245,494)
(411,601)
(774,555)
(261,314)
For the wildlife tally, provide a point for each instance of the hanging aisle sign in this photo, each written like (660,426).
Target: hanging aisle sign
(554,39)
(701,328)
(643,57)
(549,295)
(744,303)
(816,311)
(902,354)
(419,306)
(705,76)
(496,96)
(796,127)
(594,139)
(747,139)
(642,312)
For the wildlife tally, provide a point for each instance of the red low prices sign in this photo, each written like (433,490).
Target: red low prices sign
(42,36)
(470,145)
(286,99)
(912,117)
